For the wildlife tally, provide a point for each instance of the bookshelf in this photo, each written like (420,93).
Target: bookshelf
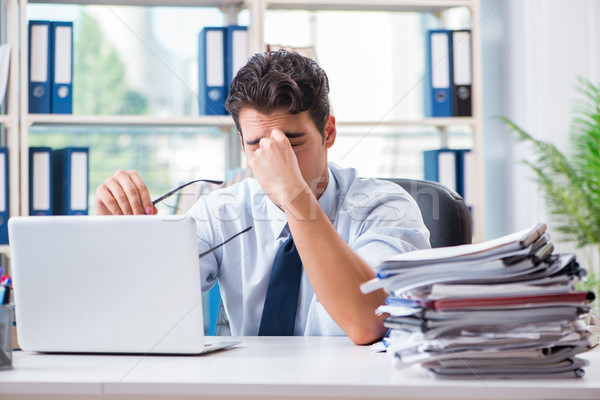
(133,120)
(432,6)
(9,120)
(17,121)
(27,121)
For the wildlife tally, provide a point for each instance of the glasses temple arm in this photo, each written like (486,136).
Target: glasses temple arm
(161,198)
(225,242)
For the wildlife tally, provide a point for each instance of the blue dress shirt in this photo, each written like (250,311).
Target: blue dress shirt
(376,218)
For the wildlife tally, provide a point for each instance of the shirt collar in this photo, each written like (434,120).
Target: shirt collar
(278,220)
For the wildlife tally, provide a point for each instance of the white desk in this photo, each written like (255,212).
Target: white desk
(263,368)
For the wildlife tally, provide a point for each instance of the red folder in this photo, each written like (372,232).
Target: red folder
(483,302)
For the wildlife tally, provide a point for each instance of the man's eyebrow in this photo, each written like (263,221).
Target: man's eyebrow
(294,135)
(253,142)
(289,135)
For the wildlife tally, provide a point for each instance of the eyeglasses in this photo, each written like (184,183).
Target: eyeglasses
(172,192)
(225,242)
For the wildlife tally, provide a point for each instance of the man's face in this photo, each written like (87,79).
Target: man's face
(307,142)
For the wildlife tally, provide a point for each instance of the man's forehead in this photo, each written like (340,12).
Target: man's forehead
(255,123)
(253,116)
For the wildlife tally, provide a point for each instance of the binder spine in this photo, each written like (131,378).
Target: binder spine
(39,68)
(70,175)
(441,165)
(211,70)
(236,52)
(40,181)
(430,165)
(461,73)
(465,186)
(62,67)
(440,73)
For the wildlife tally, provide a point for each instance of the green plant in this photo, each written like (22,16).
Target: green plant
(571,182)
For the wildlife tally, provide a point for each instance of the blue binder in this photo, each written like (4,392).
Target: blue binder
(70,168)
(465,186)
(39,67)
(4,196)
(40,181)
(62,67)
(439,73)
(211,71)
(236,52)
(441,165)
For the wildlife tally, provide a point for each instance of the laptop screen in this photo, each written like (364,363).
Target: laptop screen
(118,284)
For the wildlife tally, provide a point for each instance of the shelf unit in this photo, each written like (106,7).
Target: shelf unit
(128,120)
(433,6)
(229,7)
(10,120)
(434,122)
(18,120)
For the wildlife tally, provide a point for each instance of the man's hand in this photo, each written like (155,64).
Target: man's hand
(124,193)
(275,166)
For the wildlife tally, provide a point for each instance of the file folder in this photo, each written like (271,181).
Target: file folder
(236,51)
(465,172)
(39,67)
(62,67)
(40,181)
(513,301)
(70,175)
(439,72)
(441,165)
(4,196)
(461,73)
(211,68)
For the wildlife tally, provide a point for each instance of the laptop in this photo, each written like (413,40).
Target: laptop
(108,284)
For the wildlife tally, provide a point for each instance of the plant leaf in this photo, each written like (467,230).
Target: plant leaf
(571,184)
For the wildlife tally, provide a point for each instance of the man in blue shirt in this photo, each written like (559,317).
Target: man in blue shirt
(342,226)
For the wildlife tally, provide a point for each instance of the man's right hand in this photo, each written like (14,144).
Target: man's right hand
(124,193)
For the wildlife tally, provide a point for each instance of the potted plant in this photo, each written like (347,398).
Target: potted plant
(571,182)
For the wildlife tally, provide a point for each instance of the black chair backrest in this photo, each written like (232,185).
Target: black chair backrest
(444,212)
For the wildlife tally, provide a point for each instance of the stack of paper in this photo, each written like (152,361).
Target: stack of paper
(503,308)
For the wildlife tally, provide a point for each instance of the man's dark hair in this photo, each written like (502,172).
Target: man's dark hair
(280,79)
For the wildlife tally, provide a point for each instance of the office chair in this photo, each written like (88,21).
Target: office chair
(444,212)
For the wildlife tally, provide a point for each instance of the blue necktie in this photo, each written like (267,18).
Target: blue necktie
(279,312)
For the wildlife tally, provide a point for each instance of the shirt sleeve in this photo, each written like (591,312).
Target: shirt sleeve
(386,224)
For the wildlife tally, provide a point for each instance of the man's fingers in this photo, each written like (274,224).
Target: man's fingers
(101,207)
(279,136)
(144,194)
(132,194)
(115,187)
(265,143)
(106,203)
(124,193)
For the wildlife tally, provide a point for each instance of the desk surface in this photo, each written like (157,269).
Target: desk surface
(262,367)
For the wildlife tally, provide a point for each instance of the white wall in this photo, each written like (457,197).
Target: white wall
(533,52)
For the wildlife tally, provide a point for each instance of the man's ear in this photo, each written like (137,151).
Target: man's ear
(330,132)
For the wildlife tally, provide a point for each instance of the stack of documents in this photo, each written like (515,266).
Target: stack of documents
(503,308)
